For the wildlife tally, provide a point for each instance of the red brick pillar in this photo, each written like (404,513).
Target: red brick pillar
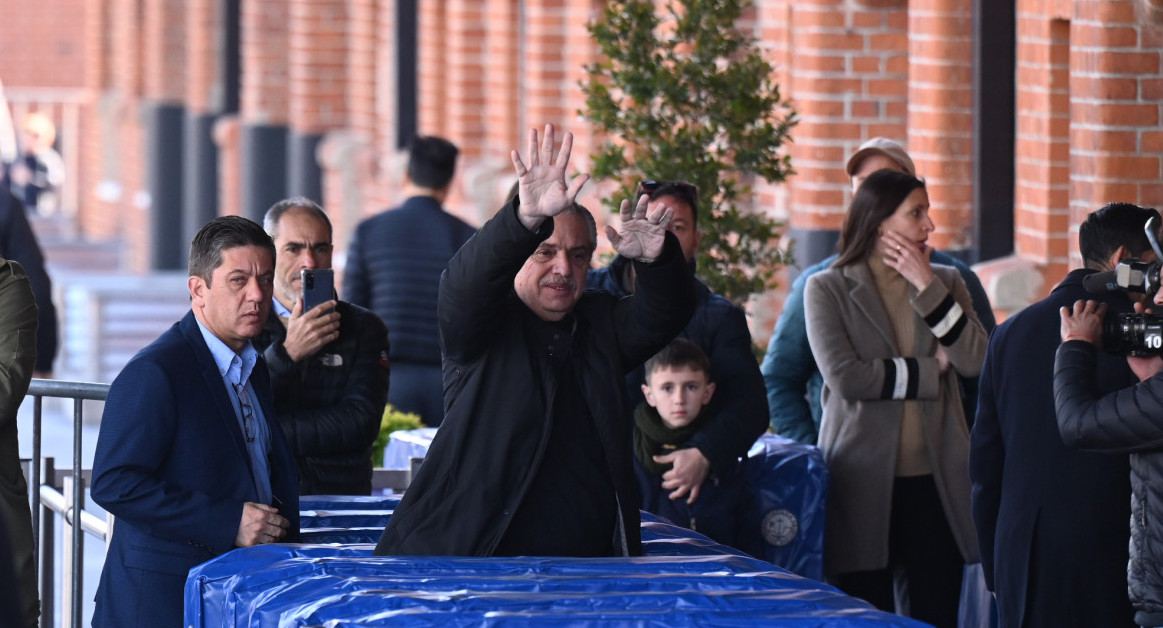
(265,104)
(163,110)
(543,70)
(98,213)
(502,78)
(317,73)
(431,65)
(465,55)
(848,73)
(1116,86)
(387,104)
(940,123)
(1042,146)
(205,23)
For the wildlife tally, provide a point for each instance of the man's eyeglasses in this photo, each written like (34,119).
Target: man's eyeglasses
(247,411)
(680,189)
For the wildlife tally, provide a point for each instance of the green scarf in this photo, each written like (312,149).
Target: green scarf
(652,437)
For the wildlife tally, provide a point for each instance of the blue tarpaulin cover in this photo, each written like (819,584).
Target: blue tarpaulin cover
(790,483)
(685,579)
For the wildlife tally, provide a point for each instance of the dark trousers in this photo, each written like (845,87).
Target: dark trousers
(923,578)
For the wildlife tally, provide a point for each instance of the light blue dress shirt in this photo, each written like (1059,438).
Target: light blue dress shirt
(235,370)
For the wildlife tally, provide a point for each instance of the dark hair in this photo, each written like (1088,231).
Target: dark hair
(220,234)
(677,354)
(874,202)
(685,192)
(431,162)
(270,221)
(577,209)
(1112,226)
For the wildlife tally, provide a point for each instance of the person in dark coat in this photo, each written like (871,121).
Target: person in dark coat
(1123,422)
(18,243)
(18,346)
(534,456)
(739,408)
(190,459)
(393,269)
(329,365)
(1052,520)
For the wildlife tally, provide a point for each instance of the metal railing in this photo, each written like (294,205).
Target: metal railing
(59,492)
(52,489)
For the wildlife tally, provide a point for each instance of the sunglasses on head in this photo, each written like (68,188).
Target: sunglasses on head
(677,188)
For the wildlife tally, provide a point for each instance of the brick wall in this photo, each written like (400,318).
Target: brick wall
(1089,77)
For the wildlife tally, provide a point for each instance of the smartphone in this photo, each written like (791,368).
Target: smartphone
(318,286)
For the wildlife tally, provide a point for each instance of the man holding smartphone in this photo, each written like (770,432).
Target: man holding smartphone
(328,364)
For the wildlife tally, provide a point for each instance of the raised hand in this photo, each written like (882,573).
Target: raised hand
(310,331)
(641,235)
(542,185)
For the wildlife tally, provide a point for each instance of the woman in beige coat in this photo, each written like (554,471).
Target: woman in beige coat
(891,332)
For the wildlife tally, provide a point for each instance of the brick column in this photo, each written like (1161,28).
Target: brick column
(317,74)
(431,66)
(940,123)
(848,73)
(204,26)
(164,52)
(387,104)
(542,60)
(264,107)
(464,98)
(502,78)
(1116,87)
(97,216)
(1042,148)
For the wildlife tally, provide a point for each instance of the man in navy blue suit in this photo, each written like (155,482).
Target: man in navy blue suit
(190,460)
(1052,520)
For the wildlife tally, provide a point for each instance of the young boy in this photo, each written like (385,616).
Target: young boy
(677,391)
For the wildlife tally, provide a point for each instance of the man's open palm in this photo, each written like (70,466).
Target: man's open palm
(640,235)
(542,184)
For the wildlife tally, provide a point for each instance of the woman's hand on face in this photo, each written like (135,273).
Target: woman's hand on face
(908,259)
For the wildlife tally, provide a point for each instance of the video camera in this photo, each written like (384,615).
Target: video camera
(1132,334)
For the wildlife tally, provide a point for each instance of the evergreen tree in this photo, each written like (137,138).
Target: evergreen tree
(687,96)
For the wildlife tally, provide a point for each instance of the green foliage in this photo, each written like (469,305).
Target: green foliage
(392,421)
(689,98)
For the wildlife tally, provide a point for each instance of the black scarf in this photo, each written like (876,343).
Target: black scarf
(652,437)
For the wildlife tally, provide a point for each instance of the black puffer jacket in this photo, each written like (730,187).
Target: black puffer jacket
(497,425)
(393,269)
(1129,420)
(330,405)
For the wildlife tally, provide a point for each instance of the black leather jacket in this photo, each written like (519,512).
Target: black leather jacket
(330,405)
(1129,420)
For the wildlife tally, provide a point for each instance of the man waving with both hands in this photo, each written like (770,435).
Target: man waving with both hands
(534,454)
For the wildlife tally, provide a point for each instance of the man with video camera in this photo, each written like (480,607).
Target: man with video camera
(1051,520)
(1127,421)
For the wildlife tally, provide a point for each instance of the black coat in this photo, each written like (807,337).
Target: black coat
(496,426)
(18,243)
(1127,421)
(330,405)
(393,269)
(1051,520)
(739,406)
